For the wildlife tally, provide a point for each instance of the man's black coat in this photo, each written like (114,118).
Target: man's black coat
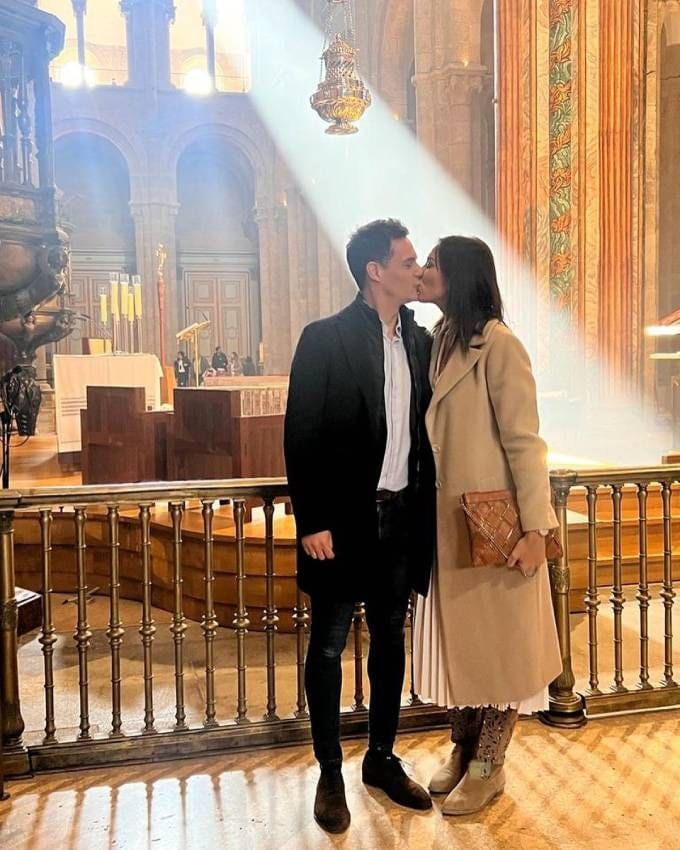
(335,436)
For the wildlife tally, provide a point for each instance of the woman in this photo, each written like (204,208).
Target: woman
(486,641)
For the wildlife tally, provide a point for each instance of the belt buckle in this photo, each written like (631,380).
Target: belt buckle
(385,496)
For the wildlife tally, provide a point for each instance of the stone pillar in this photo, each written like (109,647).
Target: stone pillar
(448,78)
(154,226)
(148,40)
(272,227)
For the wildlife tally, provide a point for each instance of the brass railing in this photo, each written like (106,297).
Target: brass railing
(78,507)
(111,505)
(590,502)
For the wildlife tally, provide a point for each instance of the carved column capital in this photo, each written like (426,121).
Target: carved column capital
(166,6)
(465,83)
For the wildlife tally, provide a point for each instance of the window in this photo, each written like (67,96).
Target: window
(105,44)
(188,51)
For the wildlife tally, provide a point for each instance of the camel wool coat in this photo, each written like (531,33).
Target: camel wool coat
(495,627)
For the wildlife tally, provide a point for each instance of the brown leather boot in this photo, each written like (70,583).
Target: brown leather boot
(330,805)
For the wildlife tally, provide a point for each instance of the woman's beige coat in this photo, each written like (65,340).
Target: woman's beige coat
(497,626)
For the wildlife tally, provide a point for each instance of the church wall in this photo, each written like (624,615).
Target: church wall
(573,163)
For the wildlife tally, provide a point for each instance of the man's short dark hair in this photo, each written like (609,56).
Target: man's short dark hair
(372,243)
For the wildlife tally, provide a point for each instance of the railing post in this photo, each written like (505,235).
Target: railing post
(12,721)
(566,707)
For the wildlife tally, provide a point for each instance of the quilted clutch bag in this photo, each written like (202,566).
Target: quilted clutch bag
(493,523)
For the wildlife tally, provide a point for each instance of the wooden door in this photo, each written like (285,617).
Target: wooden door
(221,296)
(86,284)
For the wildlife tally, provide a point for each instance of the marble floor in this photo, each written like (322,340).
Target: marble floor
(610,785)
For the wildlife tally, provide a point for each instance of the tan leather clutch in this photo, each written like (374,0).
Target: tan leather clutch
(493,523)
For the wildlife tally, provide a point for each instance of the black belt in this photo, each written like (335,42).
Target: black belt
(388,495)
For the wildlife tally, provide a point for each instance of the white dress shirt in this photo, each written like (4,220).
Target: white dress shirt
(394,474)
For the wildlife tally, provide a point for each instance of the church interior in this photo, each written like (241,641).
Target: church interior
(178,182)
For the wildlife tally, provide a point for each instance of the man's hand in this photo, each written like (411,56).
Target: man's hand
(319,546)
(529,554)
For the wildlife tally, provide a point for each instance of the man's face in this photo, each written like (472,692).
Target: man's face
(400,276)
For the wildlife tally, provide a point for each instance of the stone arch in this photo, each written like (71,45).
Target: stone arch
(232,135)
(133,154)
(217,242)
(93,177)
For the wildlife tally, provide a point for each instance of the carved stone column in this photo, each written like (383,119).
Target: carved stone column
(272,229)
(154,226)
(148,39)
(448,78)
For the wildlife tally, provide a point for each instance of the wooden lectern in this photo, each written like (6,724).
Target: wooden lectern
(190,334)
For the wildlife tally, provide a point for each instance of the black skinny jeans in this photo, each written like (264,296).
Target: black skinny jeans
(385,615)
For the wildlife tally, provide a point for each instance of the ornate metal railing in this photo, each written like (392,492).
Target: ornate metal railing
(610,510)
(122,507)
(95,516)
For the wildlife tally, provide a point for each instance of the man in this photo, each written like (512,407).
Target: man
(361,480)
(219,360)
(182,369)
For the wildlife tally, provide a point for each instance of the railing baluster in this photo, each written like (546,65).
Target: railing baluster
(301,620)
(178,626)
(12,721)
(115,630)
(241,621)
(591,599)
(147,628)
(667,593)
(270,618)
(359,616)
(643,588)
(48,636)
(617,599)
(566,707)
(414,699)
(209,619)
(82,634)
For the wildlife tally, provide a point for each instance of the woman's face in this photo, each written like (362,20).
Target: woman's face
(432,288)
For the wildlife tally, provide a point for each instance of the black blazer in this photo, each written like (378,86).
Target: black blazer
(334,442)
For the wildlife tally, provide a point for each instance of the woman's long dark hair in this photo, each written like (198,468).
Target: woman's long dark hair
(473,297)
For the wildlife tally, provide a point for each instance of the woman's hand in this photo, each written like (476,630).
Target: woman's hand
(529,554)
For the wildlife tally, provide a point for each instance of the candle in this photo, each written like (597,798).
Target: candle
(115,308)
(137,289)
(124,295)
(103,308)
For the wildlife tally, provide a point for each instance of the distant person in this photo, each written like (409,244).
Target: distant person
(234,367)
(219,360)
(203,367)
(248,366)
(182,368)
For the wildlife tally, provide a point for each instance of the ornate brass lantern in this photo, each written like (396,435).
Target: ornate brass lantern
(341,98)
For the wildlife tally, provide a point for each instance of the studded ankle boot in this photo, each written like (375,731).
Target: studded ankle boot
(484,779)
(465,728)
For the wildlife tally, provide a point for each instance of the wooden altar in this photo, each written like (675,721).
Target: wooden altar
(219,432)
